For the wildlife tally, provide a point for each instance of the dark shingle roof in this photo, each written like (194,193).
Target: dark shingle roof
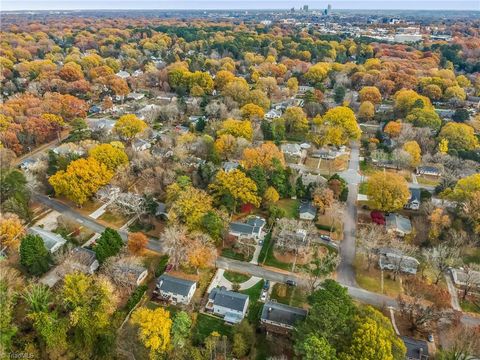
(174,285)
(241,228)
(282,314)
(307,207)
(413,348)
(228,299)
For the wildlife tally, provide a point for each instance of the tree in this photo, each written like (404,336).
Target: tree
(461,343)
(320,267)
(201,252)
(180,329)
(338,126)
(176,243)
(271,195)
(313,348)
(292,85)
(339,94)
(11,283)
(81,179)
(459,136)
(258,174)
(443,146)
(393,128)
(455,93)
(11,231)
(243,338)
(137,243)
(461,115)
(387,191)
(371,94)
(237,128)
(370,238)
(440,258)
(318,72)
(129,126)
(295,120)
(111,156)
(213,225)
(424,117)
(226,146)
(237,185)
(406,100)
(413,149)
(263,156)
(433,92)
(438,222)
(90,303)
(466,187)
(419,315)
(108,244)
(154,329)
(323,198)
(470,279)
(14,194)
(252,112)
(366,111)
(34,256)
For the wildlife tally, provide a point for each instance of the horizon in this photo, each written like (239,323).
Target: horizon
(209,5)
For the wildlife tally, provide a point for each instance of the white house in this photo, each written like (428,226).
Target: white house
(52,241)
(175,289)
(273,114)
(462,277)
(392,259)
(141,145)
(250,229)
(291,149)
(230,305)
(414,201)
(123,74)
(428,170)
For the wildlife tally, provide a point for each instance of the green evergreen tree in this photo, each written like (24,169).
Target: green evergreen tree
(34,256)
(109,244)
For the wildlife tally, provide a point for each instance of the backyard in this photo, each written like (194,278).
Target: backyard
(290,206)
(255,307)
(206,324)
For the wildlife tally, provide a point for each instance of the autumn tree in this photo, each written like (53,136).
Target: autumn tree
(271,195)
(111,156)
(81,179)
(252,112)
(393,128)
(180,329)
(11,231)
(137,242)
(440,258)
(236,186)
(320,267)
(34,256)
(406,100)
(295,120)
(176,242)
(424,117)
(154,328)
(460,136)
(237,128)
(318,72)
(226,146)
(338,126)
(413,149)
(263,156)
(366,110)
(439,220)
(387,191)
(371,94)
(420,316)
(323,198)
(129,126)
(465,188)
(370,238)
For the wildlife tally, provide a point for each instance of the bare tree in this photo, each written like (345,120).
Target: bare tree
(441,257)
(461,343)
(176,242)
(420,315)
(319,268)
(293,235)
(370,238)
(404,252)
(471,278)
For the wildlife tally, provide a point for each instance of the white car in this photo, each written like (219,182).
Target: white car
(264,295)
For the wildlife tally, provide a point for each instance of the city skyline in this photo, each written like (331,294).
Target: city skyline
(12,5)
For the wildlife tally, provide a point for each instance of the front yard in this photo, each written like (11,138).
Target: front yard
(289,295)
(371,279)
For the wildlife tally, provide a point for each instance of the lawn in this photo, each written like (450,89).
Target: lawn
(289,295)
(266,244)
(470,306)
(271,260)
(366,168)
(362,188)
(232,254)
(429,181)
(371,279)
(235,277)
(290,206)
(472,255)
(113,218)
(206,324)
(255,307)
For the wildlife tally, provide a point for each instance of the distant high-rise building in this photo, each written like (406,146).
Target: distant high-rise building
(329,9)
(305,8)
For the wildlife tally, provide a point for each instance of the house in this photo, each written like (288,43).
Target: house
(161,210)
(27,164)
(291,149)
(129,274)
(398,224)
(416,349)
(68,148)
(307,211)
(279,318)
(83,260)
(52,241)
(302,89)
(445,113)
(176,290)
(135,96)
(194,119)
(414,201)
(103,125)
(393,259)
(384,108)
(123,74)
(252,228)
(428,170)
(273,114)
(309,178)
(141,145)
(325,154)
(230,305)
(228,166)
(462,277)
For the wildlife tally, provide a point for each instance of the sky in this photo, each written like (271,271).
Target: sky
(238,4)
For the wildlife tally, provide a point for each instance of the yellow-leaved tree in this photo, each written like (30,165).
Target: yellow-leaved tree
(252,111)
(237,185)
(387,191)
(81,179)
(129,126)
(154,329)
(237,128)
(109,155)
(263,156)
(318,72)
(413,149)
(338,126)
(271,195)
(11,231)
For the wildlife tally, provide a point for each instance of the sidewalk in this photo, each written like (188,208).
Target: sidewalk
(453,293)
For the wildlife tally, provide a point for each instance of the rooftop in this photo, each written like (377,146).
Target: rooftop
(228,299)
(283,314)
(174,285)
(51,240)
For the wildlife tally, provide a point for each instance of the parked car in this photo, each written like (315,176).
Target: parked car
(264,295)
(325,237)
(260,242)
(169,267)
(266,285)
(291,283)
(430,338)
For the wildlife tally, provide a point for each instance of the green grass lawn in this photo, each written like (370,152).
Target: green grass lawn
(362,188)
(255,307)
(231,254)
(235,277)
(290,206)
(113,218)
(271,260)
(427,181)
(470,306)
(266,244)
(366,168)
(472,255)
(289,295)
(206,324)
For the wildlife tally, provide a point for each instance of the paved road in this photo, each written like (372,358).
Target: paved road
(346,270)
(88,222)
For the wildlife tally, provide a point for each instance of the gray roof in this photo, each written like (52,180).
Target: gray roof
(398,222)
(230,165)
(228,299)
(307,207)
(174,285)
(415,348)
(430,169)
(51,240)
(414,194)
(256,221)
(83,256)
(241,228)
(282,314)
